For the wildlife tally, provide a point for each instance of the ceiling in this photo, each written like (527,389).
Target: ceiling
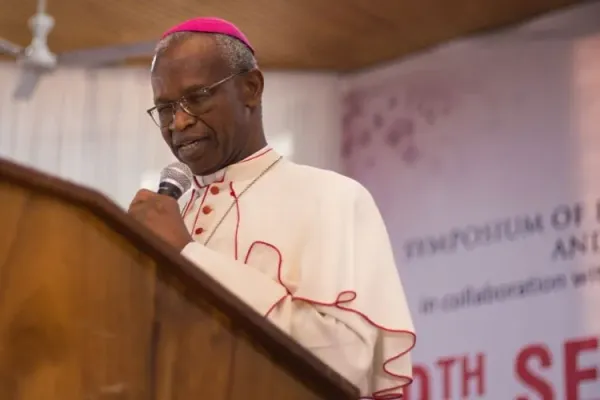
(338,35)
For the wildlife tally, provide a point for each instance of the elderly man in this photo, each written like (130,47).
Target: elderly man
(304,247)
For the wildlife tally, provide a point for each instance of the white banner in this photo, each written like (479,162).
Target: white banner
(508,308)
(487,171)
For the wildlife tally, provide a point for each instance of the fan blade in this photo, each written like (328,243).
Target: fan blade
(106,55)
(10,48)
(27,83)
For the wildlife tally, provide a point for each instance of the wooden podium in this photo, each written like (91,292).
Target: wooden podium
(94,307)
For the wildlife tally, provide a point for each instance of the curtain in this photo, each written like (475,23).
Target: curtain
(91,126)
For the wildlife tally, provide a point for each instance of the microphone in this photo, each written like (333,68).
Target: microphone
(175,180)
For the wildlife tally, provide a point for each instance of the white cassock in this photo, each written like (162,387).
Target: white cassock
(308,249)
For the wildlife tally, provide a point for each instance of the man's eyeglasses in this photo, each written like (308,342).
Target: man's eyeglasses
(194,104)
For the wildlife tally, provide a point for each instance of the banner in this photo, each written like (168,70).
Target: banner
(486,168)
(519,321)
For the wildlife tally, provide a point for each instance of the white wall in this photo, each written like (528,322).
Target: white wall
(90,126)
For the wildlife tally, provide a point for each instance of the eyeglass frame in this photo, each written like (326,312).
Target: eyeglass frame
(180,104)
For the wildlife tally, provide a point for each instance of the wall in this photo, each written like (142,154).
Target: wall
(484,158)
(91,126)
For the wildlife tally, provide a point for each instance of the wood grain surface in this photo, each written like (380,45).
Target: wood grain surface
(340,35)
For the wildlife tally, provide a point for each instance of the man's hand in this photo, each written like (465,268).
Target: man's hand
(161,215)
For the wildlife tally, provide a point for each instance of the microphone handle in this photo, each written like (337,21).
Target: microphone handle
(169,189)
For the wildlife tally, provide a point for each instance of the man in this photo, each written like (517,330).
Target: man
(304,247)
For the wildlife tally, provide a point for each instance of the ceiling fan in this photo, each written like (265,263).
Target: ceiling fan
(37,59)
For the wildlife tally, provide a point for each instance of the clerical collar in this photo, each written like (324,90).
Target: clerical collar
(248,168)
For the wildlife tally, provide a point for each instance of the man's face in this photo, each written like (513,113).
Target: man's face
(216,135)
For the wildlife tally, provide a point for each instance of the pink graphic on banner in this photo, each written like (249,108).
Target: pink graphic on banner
(385,125)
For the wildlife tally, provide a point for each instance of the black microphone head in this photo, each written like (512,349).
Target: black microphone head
(175,180)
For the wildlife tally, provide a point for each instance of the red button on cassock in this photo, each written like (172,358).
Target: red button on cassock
(214,190)
(198,231)
(206,209)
